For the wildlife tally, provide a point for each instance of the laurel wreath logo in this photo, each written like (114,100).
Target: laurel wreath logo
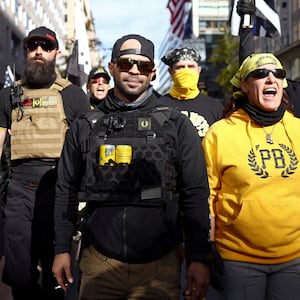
(293,162)
(287,172)
(255,167)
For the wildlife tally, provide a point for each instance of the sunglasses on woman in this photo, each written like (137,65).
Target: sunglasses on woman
(45,45)
(125,64)
(263,73)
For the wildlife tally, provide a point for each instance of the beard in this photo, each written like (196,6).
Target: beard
(37,74)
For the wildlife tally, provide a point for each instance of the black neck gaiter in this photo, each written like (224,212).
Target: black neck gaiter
(262,117)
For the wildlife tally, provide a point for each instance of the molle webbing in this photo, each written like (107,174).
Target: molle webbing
(40,132)
(147,179)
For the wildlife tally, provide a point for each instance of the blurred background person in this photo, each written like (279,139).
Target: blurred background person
(98,85)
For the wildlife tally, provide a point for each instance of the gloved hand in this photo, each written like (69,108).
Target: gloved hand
(246,7)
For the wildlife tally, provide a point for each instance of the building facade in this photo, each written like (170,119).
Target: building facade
(288,46)
(18,17)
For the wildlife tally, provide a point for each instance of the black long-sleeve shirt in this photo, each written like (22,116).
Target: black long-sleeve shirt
(147,235)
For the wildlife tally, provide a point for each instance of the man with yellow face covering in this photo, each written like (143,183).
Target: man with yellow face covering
(185,94)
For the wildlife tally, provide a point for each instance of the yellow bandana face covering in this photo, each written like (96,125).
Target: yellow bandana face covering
(185,84)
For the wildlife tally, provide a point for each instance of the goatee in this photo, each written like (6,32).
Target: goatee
(37,74)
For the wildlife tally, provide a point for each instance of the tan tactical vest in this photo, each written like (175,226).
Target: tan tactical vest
(39,124)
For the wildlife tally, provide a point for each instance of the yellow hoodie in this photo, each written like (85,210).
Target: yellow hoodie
(255,188)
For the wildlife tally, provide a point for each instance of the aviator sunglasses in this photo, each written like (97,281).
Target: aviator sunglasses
(262,73)
(125,64)
(45,45)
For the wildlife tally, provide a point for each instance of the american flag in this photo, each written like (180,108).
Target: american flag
(8,77)
(178,13)
(267,19)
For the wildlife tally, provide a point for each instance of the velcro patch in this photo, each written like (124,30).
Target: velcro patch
(40,101)
(144,123)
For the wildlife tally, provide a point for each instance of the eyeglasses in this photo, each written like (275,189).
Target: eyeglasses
(125,64)
(99,80)
(262,73)
(45,45)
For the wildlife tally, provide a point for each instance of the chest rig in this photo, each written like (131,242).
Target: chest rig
(149,179)
(39,122)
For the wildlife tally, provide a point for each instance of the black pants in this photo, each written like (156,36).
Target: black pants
(28,237)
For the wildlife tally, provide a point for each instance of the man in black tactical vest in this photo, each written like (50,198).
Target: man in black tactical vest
(136,163)
(37,112)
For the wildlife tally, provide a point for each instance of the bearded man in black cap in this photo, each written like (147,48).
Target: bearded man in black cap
(133,162)
(37,112)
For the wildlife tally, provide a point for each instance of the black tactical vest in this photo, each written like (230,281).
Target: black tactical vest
(149,180)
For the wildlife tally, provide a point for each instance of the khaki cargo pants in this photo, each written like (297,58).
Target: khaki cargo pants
(109,279)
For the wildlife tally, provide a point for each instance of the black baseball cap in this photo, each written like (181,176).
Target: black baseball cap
(98,72)
(44,33)
(146,49)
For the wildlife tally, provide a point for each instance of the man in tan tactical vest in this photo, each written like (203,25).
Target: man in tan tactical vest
(37,112)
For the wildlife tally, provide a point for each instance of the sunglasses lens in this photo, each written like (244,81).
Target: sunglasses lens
(45,45)
(279,73)
(100,80)
(145,66)
(262,73)
(125,64)
(31,45)
(259,73)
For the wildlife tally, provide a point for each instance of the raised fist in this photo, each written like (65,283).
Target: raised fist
(246,7)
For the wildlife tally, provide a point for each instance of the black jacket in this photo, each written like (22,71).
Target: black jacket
(136,234)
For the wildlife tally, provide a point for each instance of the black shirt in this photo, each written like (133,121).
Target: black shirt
(203,110)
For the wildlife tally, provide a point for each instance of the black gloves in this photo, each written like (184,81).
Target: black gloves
(246,7)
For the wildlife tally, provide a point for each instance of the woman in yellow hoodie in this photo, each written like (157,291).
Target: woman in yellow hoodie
(254,175)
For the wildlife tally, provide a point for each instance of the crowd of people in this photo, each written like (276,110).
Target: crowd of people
(182,196)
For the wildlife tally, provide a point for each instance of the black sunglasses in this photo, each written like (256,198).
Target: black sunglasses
(45,45)
(125,64)
(262,73)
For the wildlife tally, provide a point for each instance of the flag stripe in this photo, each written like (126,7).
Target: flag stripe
(267,19)
(267,10)
(177,21)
